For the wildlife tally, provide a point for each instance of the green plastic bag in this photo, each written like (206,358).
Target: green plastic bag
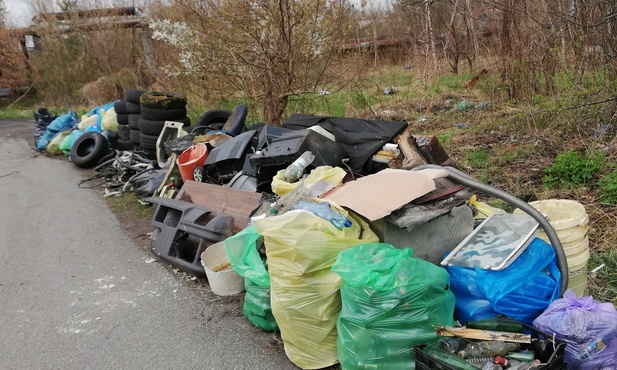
(65,145)
(391,303)
(246,262)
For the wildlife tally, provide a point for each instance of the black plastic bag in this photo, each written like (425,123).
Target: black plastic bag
(180,144)
(146,183)
(42,119)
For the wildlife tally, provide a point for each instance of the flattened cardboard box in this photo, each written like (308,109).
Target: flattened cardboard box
(376,196)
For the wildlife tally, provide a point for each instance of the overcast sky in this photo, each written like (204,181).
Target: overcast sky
(19,12)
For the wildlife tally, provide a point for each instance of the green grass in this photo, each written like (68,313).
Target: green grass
(603,284)
(478,158)
(127,204)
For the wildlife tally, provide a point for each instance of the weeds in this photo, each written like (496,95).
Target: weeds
(607,188)
(572,168)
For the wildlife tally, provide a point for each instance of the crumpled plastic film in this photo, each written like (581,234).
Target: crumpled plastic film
(301,248)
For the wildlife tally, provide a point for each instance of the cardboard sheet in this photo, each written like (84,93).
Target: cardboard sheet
(376,196)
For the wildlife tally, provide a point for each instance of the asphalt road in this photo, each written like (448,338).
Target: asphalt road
(77,293)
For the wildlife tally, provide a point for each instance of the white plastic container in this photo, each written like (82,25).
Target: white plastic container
(570,221)
(222,278)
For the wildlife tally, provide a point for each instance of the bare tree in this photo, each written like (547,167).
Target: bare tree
(272,50)
(2,14)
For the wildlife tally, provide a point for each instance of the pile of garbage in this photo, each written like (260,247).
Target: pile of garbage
(359,242)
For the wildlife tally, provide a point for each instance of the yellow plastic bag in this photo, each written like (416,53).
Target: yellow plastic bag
(87,122)
(484,210)
(331,175)
(301,249)
(110,120)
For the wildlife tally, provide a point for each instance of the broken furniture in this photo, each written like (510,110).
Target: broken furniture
(184,230)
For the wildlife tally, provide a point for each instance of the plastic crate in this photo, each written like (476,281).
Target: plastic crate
(555,362)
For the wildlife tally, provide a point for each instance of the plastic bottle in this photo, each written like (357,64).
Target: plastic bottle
(295,170)
(526,365)
(449,359)
(505,362)
(523,356)
(598,345)
(451,346)
(323,210)
(491,366)
(488,348)
(479,362)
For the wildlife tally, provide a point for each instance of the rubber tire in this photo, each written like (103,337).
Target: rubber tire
(162,100)
(134,135)
(132,108)
(120,107)
(124,133)
(148,142)
(123,119)
(214,118)
(155,114)
(88,149)
(150,127)
(134,121)
(124,145)
(133,95)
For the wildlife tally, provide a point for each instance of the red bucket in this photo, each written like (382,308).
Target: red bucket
(191,158)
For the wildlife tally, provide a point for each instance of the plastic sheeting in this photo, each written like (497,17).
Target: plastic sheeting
(391,303)
(301,248)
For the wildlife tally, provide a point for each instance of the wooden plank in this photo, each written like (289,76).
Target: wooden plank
(233,202)
(463,332)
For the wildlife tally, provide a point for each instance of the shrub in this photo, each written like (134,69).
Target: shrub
(572,168)
(608,188)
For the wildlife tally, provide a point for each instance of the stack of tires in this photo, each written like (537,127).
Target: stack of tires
(129,112)
(156,108)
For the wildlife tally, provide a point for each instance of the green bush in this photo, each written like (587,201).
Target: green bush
(608,188)
(572,168)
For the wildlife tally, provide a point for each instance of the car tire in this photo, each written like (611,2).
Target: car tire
(132,108)
(150,127)
(123,119)
(148,142)
(214,118)
(134,136)
(88,149)
(134,121)
(124,145)
(160,100)
(162,114)
(133,95)
(124,133)
(120,107)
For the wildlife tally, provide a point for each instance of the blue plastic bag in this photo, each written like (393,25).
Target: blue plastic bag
(588,327)
(521,291)
(63,122)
